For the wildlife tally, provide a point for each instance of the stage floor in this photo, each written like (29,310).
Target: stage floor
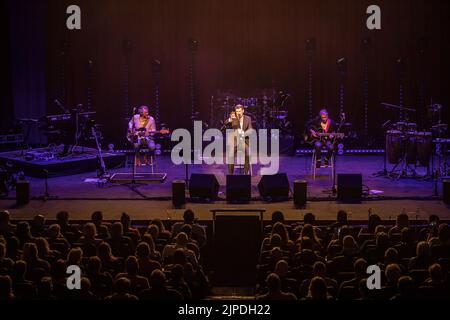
(84,186)
(81,198)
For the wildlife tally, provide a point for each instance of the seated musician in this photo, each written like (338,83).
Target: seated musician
(141,128)
(323,124)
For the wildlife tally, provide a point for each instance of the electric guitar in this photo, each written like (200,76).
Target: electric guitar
(143,133)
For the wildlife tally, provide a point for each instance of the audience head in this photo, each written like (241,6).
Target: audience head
(360,267)
(408,236)
(402,220)
(157,279)
(122,285)
(405,285)
(281,230)
(349,246)
(153,230)
(177,272)
(131,265)
(273,283)
(105,252)
(117,230)
(435,272)
(318,289)
(277,216)
(342,217)
(181,239)
(54,231)
(4,217)
(393,273)
(62,218)
(391,255)
(6,288)
(74,256)
(374,221)
(125,219)
(30,252)
(94,265)
(423,249)
(97,217)
(188,216)
(309,218)
(281,268)
(143,250)
(275,241)
(319,269)
(89,230)
(179,257)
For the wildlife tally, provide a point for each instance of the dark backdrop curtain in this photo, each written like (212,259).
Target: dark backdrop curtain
(244,45)
(26,26)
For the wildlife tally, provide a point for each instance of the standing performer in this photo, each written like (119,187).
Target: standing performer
(318,126)
(241,124)
(141,128)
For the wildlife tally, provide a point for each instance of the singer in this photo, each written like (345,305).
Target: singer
(240,123)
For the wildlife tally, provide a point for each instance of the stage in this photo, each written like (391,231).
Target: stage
(81,194)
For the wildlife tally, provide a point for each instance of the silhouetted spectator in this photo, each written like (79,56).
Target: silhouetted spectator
(319,270)
(318,290)
(6,293)
(181,242)
(34,263)
(6,227)
(198,231)
(159,289)
(101,226)
(23,289)
(146,263)
(178,283)
(128,230)
(406,289)
(101,282)
(121,290)
(110,263)
(401,222)
(23,233)
(6,264)
(121,245)
(38,226)
(423,258)
(137,282)
(273,284)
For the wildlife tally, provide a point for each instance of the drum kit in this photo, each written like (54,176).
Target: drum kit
(407,147)
(268,108)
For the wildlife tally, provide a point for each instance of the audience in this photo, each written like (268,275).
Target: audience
(302,260)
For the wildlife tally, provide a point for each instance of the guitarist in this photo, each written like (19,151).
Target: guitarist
(140,130)
(322,124)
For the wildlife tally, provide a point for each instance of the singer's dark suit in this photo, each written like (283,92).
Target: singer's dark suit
(246,125)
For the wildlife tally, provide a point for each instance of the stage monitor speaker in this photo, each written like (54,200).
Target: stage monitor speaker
(203,187)
(239,188)
(274,187)
(237,241)
(446,191)
(22,192)
(300,193)
(178,194)
(349,187)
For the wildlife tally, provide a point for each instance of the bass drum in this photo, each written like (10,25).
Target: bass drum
(393,146)
(424,148)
